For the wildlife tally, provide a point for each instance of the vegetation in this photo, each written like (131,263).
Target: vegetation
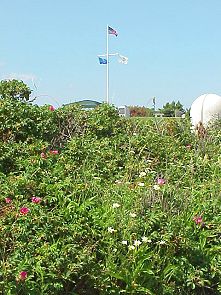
(137,111)
(171,109)
(92,203)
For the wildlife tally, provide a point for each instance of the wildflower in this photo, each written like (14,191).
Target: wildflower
(43,156)
(111,230)
(51,108)
(156,187)
(161,181)
(162,242)
(132,214)
(145,240)
(54,152)
(118,181)
(198,219)
(137,243)
(134,133)
(36,200)
(131,247)
(142,174)
(124,242)
(140,184)
(23,275)
(8,200)
(188,146)
(24,210)
(115,205)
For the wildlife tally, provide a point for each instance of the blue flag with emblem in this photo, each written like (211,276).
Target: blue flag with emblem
(102,61)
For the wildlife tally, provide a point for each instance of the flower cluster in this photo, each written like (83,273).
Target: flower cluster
(136,243)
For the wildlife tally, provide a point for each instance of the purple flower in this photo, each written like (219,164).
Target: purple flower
(198,219)
(161,181)
(8,200)
(54,152)
(51,108)
(23,275)
(43,155)
(24,210)
(36,200)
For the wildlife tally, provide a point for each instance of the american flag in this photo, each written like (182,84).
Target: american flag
(112,31)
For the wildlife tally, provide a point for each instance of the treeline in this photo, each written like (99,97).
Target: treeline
(172,109)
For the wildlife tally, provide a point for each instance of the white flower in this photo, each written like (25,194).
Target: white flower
(118,181)
(140,184)
(115,205)
(131,247)
(156,187)
(111,230)
(162,242)
(142,174)
(134,133)
(145,240)
(132,214)
(124,242)
(137,243)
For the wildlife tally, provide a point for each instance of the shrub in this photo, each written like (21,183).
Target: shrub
(95,204)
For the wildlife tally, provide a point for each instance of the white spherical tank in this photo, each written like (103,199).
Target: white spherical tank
(205,109)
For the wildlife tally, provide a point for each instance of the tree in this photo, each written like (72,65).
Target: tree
(138,111)
(14,89)
(169,109)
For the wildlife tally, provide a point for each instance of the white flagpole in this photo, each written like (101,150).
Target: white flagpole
(107,95)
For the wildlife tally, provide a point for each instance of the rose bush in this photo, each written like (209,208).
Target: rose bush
(92,203)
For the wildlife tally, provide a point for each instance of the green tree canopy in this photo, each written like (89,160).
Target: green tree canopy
(14,89)
(169,109)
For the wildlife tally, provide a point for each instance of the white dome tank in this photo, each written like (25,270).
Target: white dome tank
(205,109)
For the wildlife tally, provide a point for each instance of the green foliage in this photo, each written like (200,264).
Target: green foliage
(99,223)
(14,89)
(170,109)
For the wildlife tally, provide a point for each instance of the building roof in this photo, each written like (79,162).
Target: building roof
(87,103)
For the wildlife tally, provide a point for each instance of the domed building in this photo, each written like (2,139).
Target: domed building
(205,109)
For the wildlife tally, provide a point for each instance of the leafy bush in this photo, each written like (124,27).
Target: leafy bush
(92,203)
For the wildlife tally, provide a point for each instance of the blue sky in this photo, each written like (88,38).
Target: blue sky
(173,49)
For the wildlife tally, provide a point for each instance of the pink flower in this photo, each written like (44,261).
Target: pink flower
(43,156)
(188,146)
(51,108)
(8,200)
(24,210)
(198,219)
(54,152)
(161,181)
(36,200)
(23,275)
